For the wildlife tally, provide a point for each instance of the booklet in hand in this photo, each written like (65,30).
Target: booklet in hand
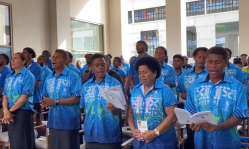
(184,117)
(115,96)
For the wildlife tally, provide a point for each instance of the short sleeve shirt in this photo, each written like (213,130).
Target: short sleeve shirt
(36,70)
(167,75)
(225,99)
(189,77)
(152,109)
(100,124)
(19,84)
(126,68)
(65,85)
(247,91)
(133,72)
(74,69)
(177,79)
(235,72)
(45,72)
(119,72)
(3,74)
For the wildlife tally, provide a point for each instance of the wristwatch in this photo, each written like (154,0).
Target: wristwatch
(157,132)
(57,102)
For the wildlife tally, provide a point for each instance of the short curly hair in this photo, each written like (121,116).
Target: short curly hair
(203,49)
(151,63)
(30,50)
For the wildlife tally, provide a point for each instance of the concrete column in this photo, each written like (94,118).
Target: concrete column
(232,43)
(243,26)
(205,31)
(175,27)
(115,37)
(60,26)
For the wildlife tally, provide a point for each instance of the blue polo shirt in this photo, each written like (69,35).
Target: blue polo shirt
(19,84)
(162,98)
(49,64)
(247,91)
(177,80)
(133,72)
(225,99)
(167,75)
(100,124)
(36,70)
(74,69)
(65,85)
(45,72)
(235,72)
(126,68)
(189,77)
(246,77)
(111,66)
(120,72)
(3,74)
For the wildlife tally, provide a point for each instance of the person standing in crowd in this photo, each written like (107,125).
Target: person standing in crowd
(111,72)
(141,48)
(86,66)
(238,62)
(36,70)
(246,68)
(127,84)
(111,66)
(70,66)
(18,104)
(78,65)
(185,63)
(243,58)
(131,59)
(61,94)
(177,64)
(225,97)
(42,61)
(189,77)
(152,103)
(101,126)
(47,54)
(167,72)
(87,76)
(124,66)
(233,71)
(4,71)
(247,94)
(116,64)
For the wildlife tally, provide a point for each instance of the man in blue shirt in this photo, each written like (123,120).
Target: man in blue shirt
(61,93)
(36,70)
(225,97)
(70,66)
(233,71)
(141,48)
(239,63)
(177,63)
(101,127)
(247,94)
(4,71)
(124,66)
(47,54)
(116,65)
(167,72)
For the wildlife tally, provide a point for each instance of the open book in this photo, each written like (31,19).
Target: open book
(115,96)
(184,117)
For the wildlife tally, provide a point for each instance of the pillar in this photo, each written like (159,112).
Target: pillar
(243,26)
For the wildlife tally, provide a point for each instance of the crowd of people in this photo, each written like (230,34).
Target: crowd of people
(152,88)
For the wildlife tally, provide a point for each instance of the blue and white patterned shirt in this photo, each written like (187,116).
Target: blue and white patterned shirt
(167,75)
(189,77)
(45,72)
(225,99)
(235,72)
(36,70)
(247,91)
(120,72)
(19,84)
(66,85)
(100,124)
(74,69)
(160,97)
(177,80)
(126,68)
(246,77)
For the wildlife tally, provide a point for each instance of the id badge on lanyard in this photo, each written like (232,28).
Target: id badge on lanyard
(29,65)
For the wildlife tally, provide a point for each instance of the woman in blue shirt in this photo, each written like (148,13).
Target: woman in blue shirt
(18,104)
(151,111)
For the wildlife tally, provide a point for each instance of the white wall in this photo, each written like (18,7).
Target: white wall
(30,24)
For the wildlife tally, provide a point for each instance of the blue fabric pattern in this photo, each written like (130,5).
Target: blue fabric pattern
(133,72)
(36,70)
(162,98)
(235,72)
(167,75)
(100,124)
(45,72)
(74,69)
(120,72)
(225,99)
(3,74)
(66,85)
(49,64)
(177,80)
(247,91)
(22,83)
(126,68)
(189,77)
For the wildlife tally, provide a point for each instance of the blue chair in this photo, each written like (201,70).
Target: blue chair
(244,141)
